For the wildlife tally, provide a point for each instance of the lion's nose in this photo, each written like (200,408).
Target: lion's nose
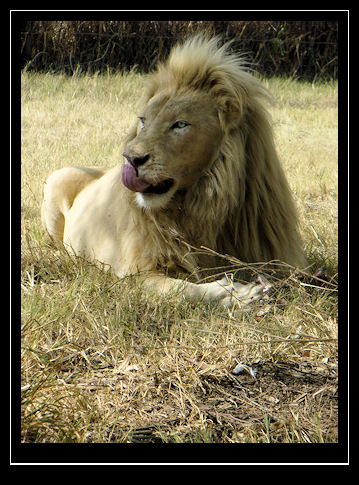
(136,160)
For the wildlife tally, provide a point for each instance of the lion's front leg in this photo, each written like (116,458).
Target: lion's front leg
(224,291)
(228,293)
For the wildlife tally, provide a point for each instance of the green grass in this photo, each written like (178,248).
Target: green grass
(102,361)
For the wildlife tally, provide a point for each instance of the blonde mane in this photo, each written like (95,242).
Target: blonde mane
(242,204)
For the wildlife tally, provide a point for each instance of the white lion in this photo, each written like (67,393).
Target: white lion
(200,168)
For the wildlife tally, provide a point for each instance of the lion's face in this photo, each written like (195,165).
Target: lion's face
(177,139)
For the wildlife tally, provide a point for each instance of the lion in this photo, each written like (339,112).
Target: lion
(199,169)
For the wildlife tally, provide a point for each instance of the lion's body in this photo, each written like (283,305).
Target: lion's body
(202,169)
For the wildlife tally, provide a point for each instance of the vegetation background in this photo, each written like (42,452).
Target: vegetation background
(102,362)
(305,50)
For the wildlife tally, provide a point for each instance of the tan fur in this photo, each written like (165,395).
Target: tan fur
(229,192)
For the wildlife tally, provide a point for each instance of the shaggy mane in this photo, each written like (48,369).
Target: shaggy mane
(242,205)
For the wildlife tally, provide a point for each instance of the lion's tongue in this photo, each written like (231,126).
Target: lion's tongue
(130,179)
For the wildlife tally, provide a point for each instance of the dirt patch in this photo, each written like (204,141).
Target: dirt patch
(286,401)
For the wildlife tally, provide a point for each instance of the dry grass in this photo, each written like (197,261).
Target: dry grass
(104,362)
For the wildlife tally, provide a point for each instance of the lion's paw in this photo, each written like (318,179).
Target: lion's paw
(242,294)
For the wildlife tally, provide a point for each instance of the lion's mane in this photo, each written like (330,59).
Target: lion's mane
(242,205)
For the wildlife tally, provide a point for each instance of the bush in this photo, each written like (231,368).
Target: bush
(305,50)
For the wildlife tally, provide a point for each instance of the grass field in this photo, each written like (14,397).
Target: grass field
(103,362)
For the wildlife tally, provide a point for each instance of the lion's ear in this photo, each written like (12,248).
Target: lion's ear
(231,98)
(230,113)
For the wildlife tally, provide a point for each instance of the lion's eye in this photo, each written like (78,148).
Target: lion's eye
(142,121)
(179,124)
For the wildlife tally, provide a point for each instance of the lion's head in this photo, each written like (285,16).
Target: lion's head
(180,129)
(203,144)
(177,140)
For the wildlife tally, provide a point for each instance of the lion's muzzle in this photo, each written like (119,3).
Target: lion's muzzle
(131,181)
